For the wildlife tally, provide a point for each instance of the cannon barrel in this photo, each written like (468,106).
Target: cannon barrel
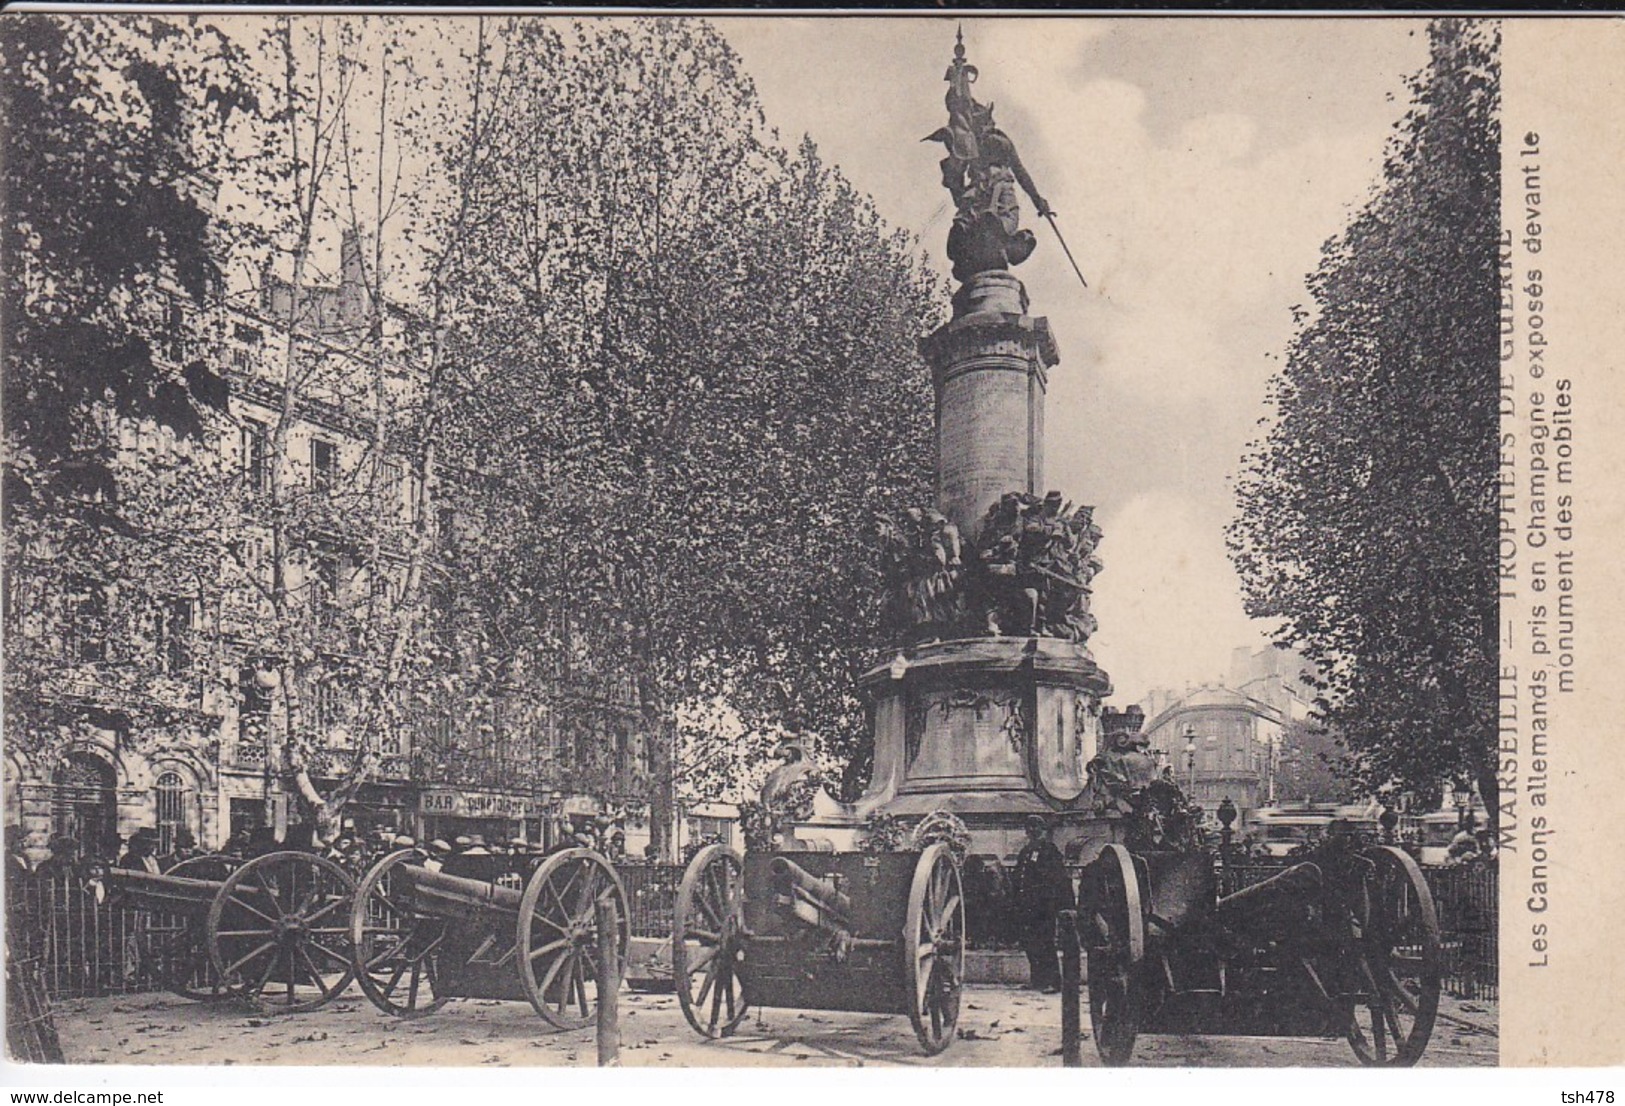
(1279,889)
(449,896)
(815,901)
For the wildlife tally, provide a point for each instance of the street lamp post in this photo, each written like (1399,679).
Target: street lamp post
(555,831)
(1190,757)
(1463,794)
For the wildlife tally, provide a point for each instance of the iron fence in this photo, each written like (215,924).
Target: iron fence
(651,896)
(1467,899)
(86,946)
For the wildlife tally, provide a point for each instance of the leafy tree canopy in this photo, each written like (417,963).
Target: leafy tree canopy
(107,213)
(1367,513)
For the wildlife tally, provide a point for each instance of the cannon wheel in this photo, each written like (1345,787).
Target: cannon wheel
(1115,954)
(558,935)
(707,945)
(177,944)
(396,949)
(1396,950)
(277,932)
(934,944)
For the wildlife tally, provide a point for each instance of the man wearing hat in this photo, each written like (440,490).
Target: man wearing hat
(472,860)
(1040,889)
(141,854)
(439,850)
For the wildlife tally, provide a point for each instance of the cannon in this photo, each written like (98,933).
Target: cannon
(878,933)
(273,928)
(421,937)
(1342,943)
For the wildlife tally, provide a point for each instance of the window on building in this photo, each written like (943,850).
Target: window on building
(709,829)
(411,497)
(174,645)
(245,346)
(254,686)
(324,463)
(398,490)
(255,450)
(247,815)
(324,585)
(390,475)
(170,801)
(87,622)
(174,330)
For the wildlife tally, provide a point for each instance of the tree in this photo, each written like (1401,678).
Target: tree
(112,396)
(108,202)
(1309,765)
(697,380)
(343,547)
(1366,515)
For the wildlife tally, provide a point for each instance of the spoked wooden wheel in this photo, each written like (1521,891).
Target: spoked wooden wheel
(396,949)
(1112,894)
(707,946)
(934,945)
(278,932)
(177,945)
(558,935)
(1395,950)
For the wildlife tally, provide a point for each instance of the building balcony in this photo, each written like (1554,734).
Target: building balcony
(327,763)
(122,686)
(244,757)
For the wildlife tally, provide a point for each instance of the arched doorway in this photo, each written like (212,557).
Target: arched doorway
(84,805)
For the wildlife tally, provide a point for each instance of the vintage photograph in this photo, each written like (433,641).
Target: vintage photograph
(752,540)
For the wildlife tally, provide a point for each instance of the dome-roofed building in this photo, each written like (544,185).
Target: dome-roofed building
(1224,740)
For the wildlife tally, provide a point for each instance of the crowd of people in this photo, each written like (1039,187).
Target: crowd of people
(37,855)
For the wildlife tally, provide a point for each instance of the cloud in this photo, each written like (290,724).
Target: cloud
(1168,602)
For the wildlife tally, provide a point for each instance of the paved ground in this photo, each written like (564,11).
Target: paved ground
(999,1026)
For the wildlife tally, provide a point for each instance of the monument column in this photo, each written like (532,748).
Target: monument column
(990,366)
(992,706)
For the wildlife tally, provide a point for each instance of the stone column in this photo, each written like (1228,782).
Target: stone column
(990,365)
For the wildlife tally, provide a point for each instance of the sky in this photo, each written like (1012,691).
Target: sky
(1197,165)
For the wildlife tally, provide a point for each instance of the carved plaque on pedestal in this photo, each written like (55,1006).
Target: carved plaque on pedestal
(1067,725)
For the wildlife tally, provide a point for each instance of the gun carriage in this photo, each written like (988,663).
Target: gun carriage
(273,928)
(878,933)
(1342,943)
(421,937)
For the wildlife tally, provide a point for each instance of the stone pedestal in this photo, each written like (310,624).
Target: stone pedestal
(990,729)
(989,364)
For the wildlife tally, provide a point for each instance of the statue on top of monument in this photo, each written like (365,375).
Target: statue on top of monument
(981,173)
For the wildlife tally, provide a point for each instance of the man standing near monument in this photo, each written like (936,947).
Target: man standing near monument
(1041,889)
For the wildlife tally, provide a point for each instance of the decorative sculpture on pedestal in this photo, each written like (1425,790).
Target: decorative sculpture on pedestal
(1027,572)
(981,172)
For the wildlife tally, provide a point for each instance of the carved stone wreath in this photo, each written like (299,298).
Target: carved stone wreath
(1013,727)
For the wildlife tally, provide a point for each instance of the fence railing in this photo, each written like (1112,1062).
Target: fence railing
(651,897)
(86,946)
